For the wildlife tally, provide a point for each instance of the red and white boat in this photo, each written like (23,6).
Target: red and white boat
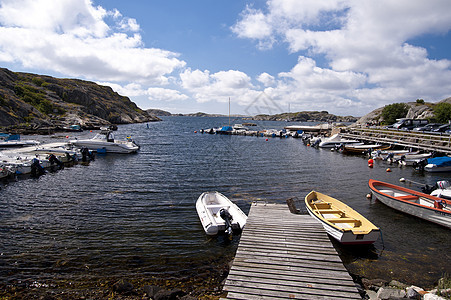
(418,204)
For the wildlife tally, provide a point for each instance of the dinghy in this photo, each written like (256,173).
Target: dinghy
(411,202)
(218,214)
(340,221)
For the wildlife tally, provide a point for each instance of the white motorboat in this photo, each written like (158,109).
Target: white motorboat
(6,171)
(13,140)
(58,149)
(218,214)
(334,141)
(438,164)
(104,141)
(386,154)
(307,128)
(442,190)
(23,163)
(412,158)
(239,128)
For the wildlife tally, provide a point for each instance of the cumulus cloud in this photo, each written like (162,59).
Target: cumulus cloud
(365,44)
(165,94)
(152,93)
(76,38)
(219,86)
(266,79)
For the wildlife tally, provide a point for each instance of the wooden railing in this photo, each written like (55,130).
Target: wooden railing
(423,141)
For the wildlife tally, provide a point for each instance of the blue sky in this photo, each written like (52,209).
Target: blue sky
(344,56)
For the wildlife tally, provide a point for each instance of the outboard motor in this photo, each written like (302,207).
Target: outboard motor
(86,155)
(316,143)
(389,157)
(227,217)
(420,165)
(55,161)
(36,168)
(428,189)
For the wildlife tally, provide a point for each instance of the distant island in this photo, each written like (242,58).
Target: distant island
(304,116)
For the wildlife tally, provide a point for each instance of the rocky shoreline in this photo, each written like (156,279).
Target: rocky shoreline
(196,287)
(376,289)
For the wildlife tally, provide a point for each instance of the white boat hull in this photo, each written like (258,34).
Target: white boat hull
(112,147)
(347,237)
(209,205)
(422,209)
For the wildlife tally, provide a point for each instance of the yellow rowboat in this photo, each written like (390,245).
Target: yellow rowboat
(340,221)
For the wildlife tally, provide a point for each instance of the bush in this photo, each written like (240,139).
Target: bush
(394,111)
(442,112)
(45,106)
(38,81)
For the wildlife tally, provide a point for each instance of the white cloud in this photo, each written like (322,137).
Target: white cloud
(253,25)
(73,37)
(165,94)
(366,47)
(266,79)
(219,86)
(153,93)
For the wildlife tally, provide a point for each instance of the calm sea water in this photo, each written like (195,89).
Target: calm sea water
(134,215)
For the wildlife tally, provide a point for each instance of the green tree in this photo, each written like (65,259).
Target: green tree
(420,101)
(394,111)
(442,112)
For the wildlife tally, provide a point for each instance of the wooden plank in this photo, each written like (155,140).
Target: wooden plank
(286,256)
(291,284)
(282,268)
(287,276)
(288,292)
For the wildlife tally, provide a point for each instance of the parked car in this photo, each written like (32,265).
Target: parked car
(428,127)
(409,124)
(443,128)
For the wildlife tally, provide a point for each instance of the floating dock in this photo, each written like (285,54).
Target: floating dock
(286,256)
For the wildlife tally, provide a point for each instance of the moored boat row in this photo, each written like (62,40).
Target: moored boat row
(34,158)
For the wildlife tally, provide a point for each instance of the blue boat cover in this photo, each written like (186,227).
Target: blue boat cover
(226,128)
(13,137)
(440,161)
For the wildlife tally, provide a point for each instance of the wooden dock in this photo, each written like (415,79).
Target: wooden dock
(286,256)
(438,142)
